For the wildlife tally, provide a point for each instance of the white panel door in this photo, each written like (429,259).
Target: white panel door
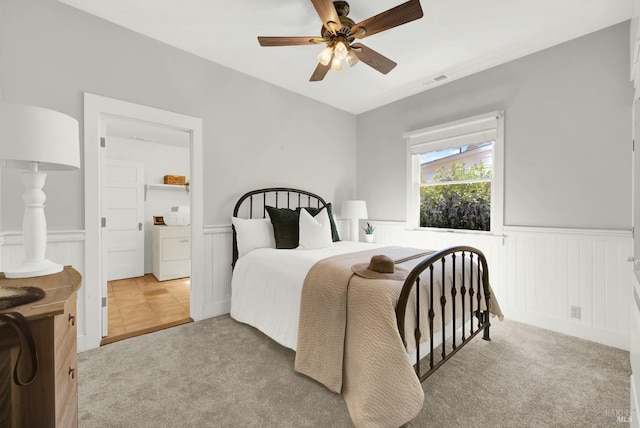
(124,209)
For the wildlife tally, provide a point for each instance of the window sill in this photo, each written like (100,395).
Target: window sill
(455,231)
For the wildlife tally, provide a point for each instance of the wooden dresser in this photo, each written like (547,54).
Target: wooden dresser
(52,399)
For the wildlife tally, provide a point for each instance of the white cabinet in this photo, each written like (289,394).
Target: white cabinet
(171,252)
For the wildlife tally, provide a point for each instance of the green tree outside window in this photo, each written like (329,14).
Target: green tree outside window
(464,203)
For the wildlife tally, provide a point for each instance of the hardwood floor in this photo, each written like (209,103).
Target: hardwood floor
(142,305)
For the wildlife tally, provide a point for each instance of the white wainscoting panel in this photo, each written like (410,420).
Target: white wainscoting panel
(68,248)
(536,273)
(539,273)
(551,270)
(218,243)
(65,247)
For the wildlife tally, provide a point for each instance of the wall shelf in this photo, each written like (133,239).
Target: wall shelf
(149,187)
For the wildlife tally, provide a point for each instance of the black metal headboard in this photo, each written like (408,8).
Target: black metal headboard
(253,205)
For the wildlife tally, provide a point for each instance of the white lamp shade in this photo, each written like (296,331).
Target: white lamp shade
(37,140)
(354,209)
(34,134)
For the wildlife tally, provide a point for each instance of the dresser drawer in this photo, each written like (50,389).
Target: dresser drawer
(65,324)
(173,231)
(67,392)
(66,367)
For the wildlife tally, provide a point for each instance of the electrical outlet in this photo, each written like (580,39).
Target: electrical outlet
(575,312)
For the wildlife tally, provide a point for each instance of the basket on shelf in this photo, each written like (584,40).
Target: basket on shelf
(175,179)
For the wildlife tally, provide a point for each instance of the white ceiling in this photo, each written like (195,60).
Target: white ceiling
(455,38)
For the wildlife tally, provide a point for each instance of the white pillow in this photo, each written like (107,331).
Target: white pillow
(253,233)
(315,232)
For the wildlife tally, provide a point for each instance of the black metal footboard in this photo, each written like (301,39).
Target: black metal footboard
(472,286)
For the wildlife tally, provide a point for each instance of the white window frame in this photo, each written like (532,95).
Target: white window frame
(488,126)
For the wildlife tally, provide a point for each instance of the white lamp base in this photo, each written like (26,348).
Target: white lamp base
(355,229)
(28,269)
(34,229)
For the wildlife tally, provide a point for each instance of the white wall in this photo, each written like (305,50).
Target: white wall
(159,160)
(567,197)
(567,134)
(255,134)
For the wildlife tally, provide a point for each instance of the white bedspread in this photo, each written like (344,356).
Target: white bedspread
(267,285)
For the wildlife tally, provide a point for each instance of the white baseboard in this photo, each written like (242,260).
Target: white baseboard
(217,308)
(571,328)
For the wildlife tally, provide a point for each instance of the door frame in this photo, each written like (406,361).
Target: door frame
(96,110)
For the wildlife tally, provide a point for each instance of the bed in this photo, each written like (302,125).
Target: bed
(371,339)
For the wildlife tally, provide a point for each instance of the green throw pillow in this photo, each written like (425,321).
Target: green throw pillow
(285,226)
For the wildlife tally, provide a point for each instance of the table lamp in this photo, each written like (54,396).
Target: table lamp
(354,211)
(34,139)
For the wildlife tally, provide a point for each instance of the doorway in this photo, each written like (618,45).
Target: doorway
(147,262)
(98,112)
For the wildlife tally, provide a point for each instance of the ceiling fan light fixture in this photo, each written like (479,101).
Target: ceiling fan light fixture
(360,33)
(352,58)
(336,64)
(325,56)
(341,51)
(339,32)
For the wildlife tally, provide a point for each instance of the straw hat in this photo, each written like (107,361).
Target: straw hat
(380,267)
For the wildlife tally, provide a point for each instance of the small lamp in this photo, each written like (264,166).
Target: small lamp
(354,211)
(34,139)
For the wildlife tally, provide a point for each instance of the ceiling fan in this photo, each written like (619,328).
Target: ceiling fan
(339,32)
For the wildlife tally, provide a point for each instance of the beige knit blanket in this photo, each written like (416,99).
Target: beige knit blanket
(348,338)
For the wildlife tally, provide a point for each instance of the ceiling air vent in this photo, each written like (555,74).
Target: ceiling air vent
(440,78)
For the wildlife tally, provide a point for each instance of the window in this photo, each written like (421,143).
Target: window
(455,175)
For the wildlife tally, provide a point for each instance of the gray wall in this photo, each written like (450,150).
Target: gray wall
(255,134)
(567,134)
(567,121)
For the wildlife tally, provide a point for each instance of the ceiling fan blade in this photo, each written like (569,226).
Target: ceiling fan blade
(373,58)
(289,41)
(327,12)
(320,72)
(406,12)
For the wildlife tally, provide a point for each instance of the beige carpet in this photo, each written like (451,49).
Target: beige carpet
(219,373)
